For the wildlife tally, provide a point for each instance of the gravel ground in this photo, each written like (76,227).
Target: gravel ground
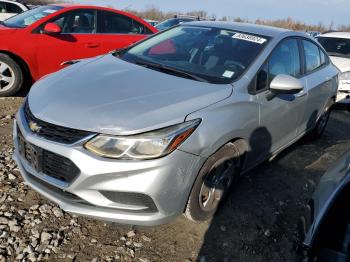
(259,221)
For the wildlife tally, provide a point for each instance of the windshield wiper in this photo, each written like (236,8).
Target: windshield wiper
(170,70)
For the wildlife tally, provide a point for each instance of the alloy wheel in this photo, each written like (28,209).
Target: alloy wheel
(7,77)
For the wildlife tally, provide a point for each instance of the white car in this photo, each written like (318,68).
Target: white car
(337,45)
(313,33)
(10,8)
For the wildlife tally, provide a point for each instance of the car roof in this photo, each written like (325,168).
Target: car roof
(337,35)
(243,27)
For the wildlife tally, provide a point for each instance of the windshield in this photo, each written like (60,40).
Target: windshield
(166,24)
(29,17)
(171,22)
(216,55)
(336,46)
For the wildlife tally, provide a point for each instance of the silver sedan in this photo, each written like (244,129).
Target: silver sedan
(165,127)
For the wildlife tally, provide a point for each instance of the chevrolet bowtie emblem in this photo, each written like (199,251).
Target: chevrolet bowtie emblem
(34,127)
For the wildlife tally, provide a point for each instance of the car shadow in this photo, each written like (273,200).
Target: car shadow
(260,219)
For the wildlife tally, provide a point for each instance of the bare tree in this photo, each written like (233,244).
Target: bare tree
(41,2)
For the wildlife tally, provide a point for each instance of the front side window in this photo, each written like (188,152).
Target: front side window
(312,56)
(336,46)
(285,59)
(29,17)
(166,24)
(77,22)
(213,54)
(113,23)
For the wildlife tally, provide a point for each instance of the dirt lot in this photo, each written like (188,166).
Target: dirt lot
(259,221)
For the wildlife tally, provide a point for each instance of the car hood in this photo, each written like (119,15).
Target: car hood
(342,63)
(111,96)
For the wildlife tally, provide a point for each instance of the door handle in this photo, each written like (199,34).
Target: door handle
(92,45)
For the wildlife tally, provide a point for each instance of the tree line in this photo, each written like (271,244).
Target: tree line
(155,13)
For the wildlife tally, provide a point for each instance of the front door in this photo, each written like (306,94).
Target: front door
(77,40)
(281,115)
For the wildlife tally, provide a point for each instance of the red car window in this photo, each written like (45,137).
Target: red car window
(164,48)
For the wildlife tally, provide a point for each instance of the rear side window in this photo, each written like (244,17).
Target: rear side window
(312,56)
(285,59)
(114,23)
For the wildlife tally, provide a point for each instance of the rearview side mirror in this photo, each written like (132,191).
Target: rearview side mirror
(284,84)
(52,28)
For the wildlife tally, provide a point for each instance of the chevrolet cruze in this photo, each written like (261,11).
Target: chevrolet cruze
(166,127)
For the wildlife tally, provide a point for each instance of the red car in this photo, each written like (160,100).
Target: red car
(37,42)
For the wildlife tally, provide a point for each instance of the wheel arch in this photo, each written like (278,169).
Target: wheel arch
(240,146)
(24,66)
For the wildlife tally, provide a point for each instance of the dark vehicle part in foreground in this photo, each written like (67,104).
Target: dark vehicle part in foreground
(328,237)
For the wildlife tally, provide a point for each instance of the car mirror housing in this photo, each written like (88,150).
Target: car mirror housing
(286,84)
(52,28)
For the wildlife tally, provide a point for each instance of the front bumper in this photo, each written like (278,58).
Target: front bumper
(166,182)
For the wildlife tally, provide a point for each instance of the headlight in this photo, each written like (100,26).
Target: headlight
(345,76)
(148,145)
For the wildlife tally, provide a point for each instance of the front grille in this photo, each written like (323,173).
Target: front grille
(59,167)
(53,132)
(49,163)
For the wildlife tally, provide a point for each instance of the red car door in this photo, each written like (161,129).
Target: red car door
(77,40)
(118,30)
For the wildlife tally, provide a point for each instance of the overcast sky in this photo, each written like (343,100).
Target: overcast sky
(309,11)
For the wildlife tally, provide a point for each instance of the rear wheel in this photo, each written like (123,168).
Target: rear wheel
(214,180)
(322,122)
(11,76)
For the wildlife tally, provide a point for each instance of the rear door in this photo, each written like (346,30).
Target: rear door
(117,30)
(319,83)
(78,40)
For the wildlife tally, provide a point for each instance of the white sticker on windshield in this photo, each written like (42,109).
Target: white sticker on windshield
(228,74)
(250,38)
(50,11)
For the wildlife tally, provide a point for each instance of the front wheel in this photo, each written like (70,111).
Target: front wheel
(11,76)
(213,182)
